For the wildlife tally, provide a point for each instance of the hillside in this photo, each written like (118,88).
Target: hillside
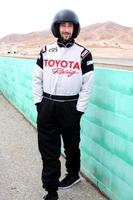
(104,39)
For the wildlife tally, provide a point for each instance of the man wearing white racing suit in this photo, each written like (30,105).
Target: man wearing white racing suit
(62,83)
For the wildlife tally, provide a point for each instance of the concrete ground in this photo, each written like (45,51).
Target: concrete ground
(20,162)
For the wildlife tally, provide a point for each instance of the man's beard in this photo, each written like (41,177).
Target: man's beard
(66,39)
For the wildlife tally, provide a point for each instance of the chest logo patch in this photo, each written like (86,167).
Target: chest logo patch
(62,66)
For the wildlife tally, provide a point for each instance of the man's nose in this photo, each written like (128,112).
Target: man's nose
(67,28)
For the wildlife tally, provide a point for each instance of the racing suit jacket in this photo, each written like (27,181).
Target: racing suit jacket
(64,70)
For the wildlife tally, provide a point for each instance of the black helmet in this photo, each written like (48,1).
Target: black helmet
(65,16)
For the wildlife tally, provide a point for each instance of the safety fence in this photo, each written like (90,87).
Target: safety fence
(16,84)
(106,127)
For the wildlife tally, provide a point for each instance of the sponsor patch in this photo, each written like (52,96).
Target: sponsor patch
(53,49)
(84,53)
(89,62)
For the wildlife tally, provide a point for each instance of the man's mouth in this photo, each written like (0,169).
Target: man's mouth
(66,33)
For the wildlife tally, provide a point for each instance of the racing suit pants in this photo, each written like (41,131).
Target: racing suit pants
(58,119)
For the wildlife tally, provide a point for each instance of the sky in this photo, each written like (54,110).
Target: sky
(25,16)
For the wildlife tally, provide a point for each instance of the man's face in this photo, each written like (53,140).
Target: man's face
(66,30)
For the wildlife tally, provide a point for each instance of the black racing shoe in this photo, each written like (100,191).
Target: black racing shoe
(51,196)
(69,181)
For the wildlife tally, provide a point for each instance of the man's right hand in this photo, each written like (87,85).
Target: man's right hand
(38,106)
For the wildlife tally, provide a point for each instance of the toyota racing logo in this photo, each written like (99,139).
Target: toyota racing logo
(62,66)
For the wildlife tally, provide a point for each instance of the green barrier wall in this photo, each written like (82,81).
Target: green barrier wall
(106,127)
(107,134)
(16,84)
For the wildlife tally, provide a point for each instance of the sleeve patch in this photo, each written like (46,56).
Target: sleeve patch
(84,53)
(89,62)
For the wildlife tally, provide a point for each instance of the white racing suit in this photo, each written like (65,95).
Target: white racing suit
(62,83)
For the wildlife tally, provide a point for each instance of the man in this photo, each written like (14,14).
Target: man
(61,89)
